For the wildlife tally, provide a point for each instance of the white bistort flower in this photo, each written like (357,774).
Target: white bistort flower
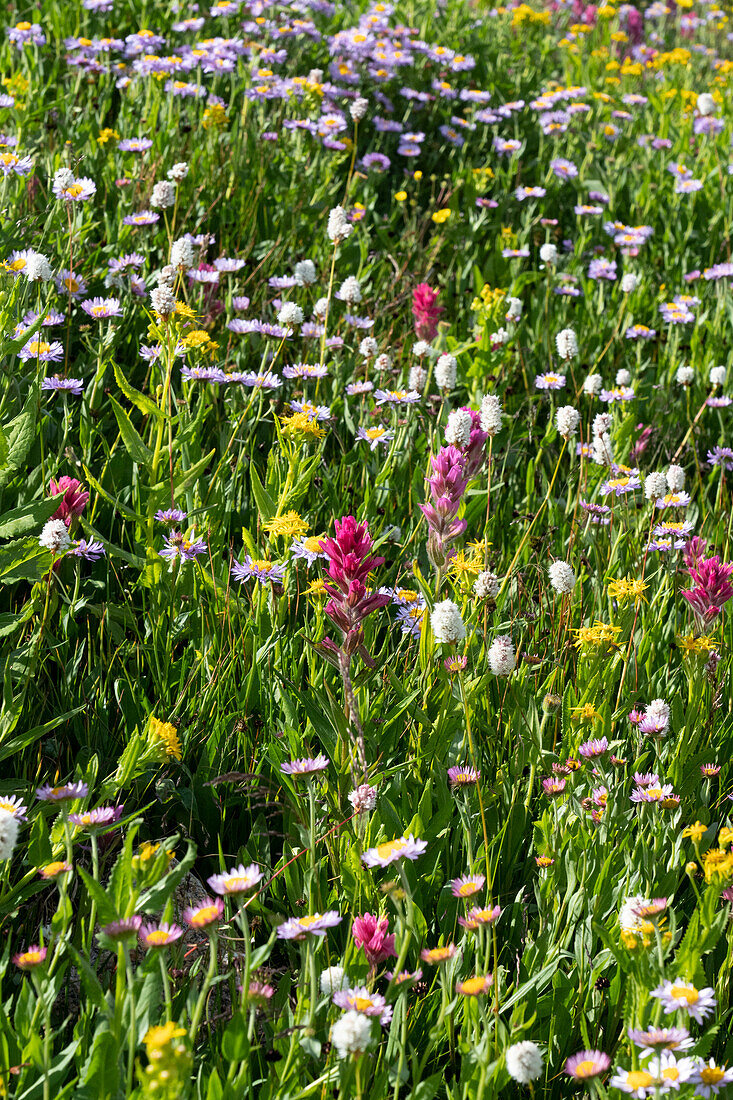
(363,798)
(37,268)
(339,226)
(458,428)
(593,385)
(352,1033)
(629,282)
(163,196)
(675,479)
(290,314)
(178,172)
(8,833)
(320,308)
(349,291)
(445,372)
(514,309)
(182,253)
(490,414)
(548,253)
(332,979)
(499,338)
(417,378)
(368,347)
(684,376)
(486,585)
(162,300)
(566,343)
(706,104)
(502,658)
(567,419)
(655,485)
(55,536)
(383,362)
(447,623)
(562,577)
(421,348)
(524,1062)
(717,376)
(305,272)
(623,377)
(358,108)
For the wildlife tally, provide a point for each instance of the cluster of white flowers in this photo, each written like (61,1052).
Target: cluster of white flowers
(524,1062)
(320,309)
(502,658)
(629,283)
(445,372)
(163,196)
(447,624)
(658,712)
(351,1034)
(383,362)
(602,442)
(421,348)
(655,485)
(368,347)
(593,385)
(305,272)
(290,314)
(514,309)
(675,479)
(339,226)
(37,268)
(706,104)
(567,419)
(8,833)
(178,172)
(685,376)
(458,428)
(350,291)
(548,253)
(364,798)
(163,300)
(333,978)
(55,537)
(491,414)
(717,376)
(182,255)
(566,343)
(417,378)
(358,108)
(562,577)
(623,377)
(499,338)
(486,585)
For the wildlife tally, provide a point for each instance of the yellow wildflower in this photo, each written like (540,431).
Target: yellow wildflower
(317,588)
(600,634)
(185,311)
(699,647)
(215,117)
(695,832)
(725,836)
(586,713)
(288,524)
(107,134)
(717,865)
(301,428)
(167,735)
(441,216)
(160,1036)
(400,196)
(624,588)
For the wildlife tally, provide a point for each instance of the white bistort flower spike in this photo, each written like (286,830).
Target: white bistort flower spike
(502,658)
(447,623)
(524,1062)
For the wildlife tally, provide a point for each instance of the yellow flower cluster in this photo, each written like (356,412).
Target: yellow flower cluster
(524,14)
(624,588)
(215,117)
(300,428)
(169,1061)
(17,85)
(717,865)
(289,524)
(489,298)
(199,338)
(693,646)
(600,635)
(166,735)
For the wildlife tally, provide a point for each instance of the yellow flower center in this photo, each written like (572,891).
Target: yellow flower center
(586,1068)
(639,1079)
(466,889)
(204,916)
(361,1004)
(682,993)
(157,938)
(472,986)
(374,433)
(711,1075)
(389,848)
(671,1074)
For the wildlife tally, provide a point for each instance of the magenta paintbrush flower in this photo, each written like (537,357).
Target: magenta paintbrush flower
(447,486)
(74,500)
(426,311)
(711,587)
(349,565)
(372,933)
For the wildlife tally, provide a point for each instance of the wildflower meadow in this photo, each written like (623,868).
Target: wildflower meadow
(365,516)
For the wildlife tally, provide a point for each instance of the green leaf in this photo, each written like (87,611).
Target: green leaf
(144,403)
(106,909)
(24,560)
(234,1041)
(29,517)
(102,1075)
(265,504)
(134,445)
(121,508)
(19,436)
(9,622)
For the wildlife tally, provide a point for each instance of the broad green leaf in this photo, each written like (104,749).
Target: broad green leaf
(144,403)
(24,560)
(137,450)
(29,517)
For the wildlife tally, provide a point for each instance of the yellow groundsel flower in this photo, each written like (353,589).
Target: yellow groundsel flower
(600,634)
(624,588)
(695,832)
(699,647)
(107,134)
(215,117)
(185,311)
(441,216)
(717,865)
(301,428)
(288,524)
(586,713)
(461,565)
(400,196)
(167,735)
(17,85)
(161,1035)
(417,175)
(317,588)
(196,338)
(726,835)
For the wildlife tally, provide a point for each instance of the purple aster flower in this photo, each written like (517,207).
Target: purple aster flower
(261,569)
(66,793)
(97,818)
(549,381)
(102,308)
(563,169)
(42,350)
(297,928)
(170,515)
(73,386)
(178,546)
(134,145)
(122,929)
(721,456)
(144,217)
(305,766)
(90,551)
(602,268)
(590,749)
